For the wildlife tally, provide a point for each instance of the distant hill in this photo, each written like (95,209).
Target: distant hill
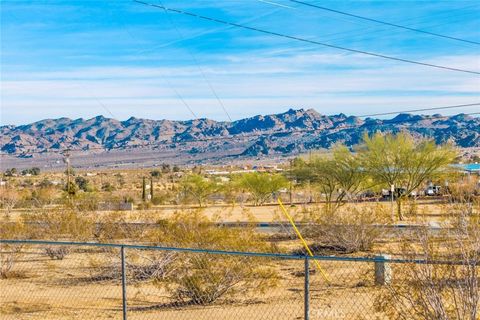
(292,132)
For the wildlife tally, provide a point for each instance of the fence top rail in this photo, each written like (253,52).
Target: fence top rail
(226,252)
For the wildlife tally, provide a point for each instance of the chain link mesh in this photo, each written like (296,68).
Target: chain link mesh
(85,282)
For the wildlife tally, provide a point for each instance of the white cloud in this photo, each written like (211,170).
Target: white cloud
(248,84)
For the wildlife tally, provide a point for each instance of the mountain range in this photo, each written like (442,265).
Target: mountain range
(291,132)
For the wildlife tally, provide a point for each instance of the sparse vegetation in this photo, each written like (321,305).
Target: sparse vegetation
(400,161)
(261,186)
(196,208)
(199,188)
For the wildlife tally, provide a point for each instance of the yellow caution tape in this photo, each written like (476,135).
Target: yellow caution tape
(289,217)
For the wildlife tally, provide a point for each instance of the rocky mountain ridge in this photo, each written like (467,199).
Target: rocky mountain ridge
(291,132)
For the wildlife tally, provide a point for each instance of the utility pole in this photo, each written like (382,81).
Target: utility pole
(66,159)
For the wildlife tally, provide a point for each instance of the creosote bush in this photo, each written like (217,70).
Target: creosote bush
(449,290)
(55,224)
(9,254)
(140,266)
(205,278)
(350,230)
(57,253)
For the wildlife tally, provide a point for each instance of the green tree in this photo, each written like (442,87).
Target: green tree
(401,161)
(199,188)
(261,185)
(338,177)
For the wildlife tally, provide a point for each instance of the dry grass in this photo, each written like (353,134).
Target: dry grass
(65,289)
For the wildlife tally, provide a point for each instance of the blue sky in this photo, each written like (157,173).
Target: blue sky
(120,58)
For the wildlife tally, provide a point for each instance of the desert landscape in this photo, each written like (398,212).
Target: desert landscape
(261,159)
(237,209)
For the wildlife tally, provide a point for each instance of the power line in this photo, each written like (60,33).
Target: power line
(169,84)
(371,30)
(378,55)
(200,34)
(194,58)
(383,22)
(236,137)
(422,109)
(276,4)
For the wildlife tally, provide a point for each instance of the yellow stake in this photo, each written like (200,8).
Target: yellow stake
(324,275)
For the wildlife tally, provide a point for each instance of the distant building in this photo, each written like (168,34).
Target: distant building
(469,168)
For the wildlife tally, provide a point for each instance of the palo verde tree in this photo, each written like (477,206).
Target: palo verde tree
(261,185)
(199,188)
(403,162)
(338,177)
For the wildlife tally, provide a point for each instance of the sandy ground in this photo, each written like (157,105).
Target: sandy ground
(52,289)
(427,210)
(42,288)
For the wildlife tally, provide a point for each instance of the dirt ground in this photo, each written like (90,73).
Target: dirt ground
(68,289)
(426,211)
(42,288)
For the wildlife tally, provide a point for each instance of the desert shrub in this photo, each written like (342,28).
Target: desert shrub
(350,230)
(57,253)
(107,186)
(140,266)
(194,229)
(114,227)
(464,194)
(438,291)
(156,173)
(144,206)
(9,252)
(205,278)
(14,229)
(44,196)
(8,256)
(86,201)
(83,183)
(54,224)
(8,199)
(163,197)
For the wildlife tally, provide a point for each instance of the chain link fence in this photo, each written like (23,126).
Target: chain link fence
(65,280)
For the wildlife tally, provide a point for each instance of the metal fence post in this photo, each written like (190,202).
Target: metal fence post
(124,284)
(307,289)
(383,270)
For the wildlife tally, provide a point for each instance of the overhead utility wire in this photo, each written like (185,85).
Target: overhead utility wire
(165,79)
(378,55)
(371,31)
(276,4)
(194,58)
(235,137)
(417,110)
(383,22)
